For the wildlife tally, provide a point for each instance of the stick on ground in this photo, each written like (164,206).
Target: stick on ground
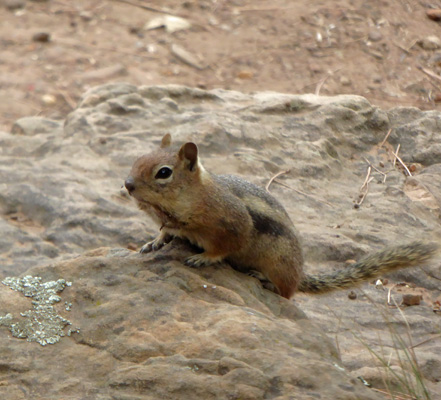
(402,163)
(274,177)
(364,187)
(385,138)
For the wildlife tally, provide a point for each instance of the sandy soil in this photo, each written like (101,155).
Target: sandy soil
(52,51)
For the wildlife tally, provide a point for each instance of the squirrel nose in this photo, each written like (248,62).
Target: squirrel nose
(130,184)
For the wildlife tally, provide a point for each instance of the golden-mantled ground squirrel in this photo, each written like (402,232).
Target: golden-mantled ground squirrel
(236,221)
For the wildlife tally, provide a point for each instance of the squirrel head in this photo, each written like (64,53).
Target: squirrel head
(165,176)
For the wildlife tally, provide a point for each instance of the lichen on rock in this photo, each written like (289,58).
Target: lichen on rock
(42,324)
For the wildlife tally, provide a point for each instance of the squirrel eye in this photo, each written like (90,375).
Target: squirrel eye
(163,173)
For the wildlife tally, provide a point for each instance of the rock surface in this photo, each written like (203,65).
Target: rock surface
(152,328)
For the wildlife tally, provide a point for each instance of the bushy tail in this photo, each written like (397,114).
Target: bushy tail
(370,267)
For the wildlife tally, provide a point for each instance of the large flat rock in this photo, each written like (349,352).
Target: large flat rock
(152,328)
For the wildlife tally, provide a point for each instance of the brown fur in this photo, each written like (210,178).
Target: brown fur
(234,220)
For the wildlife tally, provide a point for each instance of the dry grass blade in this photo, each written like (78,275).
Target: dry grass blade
(86,46)
(396,152)
(67,98)
(323,80)
(386,137)
(320,84)
(274,177)
(144,7)
(431,74)
(425,341)
(251,9)
(402,163)
(376,169)
(394,395)
(364,188)
(405,382)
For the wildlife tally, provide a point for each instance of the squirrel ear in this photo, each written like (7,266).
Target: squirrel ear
(189,154)
(166,141)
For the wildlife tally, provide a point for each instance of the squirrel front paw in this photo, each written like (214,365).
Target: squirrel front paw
(156,244)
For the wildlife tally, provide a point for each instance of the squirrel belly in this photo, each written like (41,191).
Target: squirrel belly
(236,221)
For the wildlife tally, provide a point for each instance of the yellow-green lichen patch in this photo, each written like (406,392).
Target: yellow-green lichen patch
(41,324)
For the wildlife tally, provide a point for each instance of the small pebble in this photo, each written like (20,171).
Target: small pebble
(315,68)
(375,36)
(245,74)
(49,99)
(430,43)
(86,16)
(411,299)
(132,246)
(434,14)
(42,37)
(345,81)
(14,4)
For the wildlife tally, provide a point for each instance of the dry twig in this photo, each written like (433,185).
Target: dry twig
(323,80)
(67,98)
(389,303)
(407,50)
(430,73)
(274,177)
(163,11)
(402,163)
(148,8)
(85,46)
(396,395)
(376,169)
(304,194)
(424,341)
(396,152)
(240,9)
(385,138)
(366,181)
(364,188)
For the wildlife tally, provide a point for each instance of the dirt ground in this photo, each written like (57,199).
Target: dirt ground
(52,51)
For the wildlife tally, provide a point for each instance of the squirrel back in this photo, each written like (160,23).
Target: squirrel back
(236,221)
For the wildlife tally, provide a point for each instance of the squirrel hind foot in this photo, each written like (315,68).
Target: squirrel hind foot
(266,283)
(202,260)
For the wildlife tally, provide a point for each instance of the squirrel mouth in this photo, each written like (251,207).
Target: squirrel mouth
(167,218)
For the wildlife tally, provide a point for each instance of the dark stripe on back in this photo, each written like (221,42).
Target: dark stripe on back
(268,226)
